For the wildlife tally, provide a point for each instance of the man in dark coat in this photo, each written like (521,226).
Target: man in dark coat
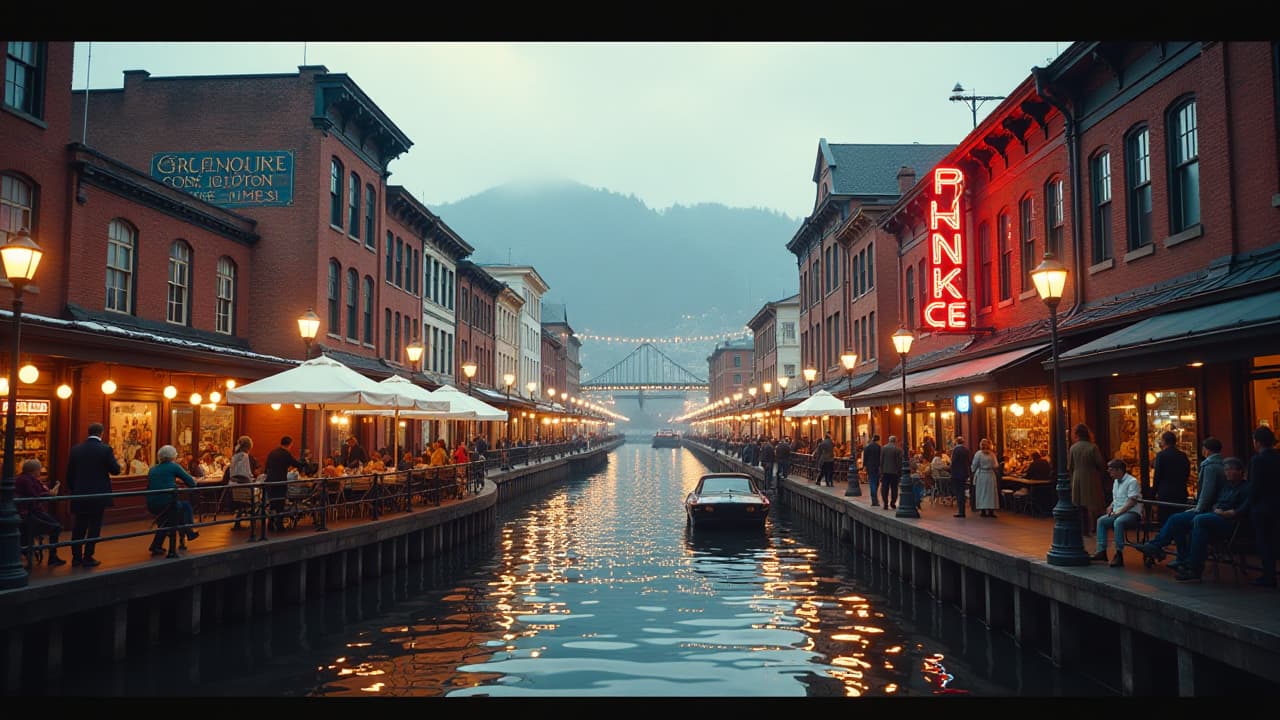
(1170,473)
(782,456)
(871,463)
(1264,504)
(767,456)
(890,472)
(89,468)
(826,459)
(960,459)
(278,463)
(354,454)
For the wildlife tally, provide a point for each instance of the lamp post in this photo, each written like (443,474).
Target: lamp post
(737,406)
(766,386)
(752,392)
(902,340)
(974,101)
(1050,278)
(308,326)
(508,379)
(809,375)
(20,256)
(783,380)
(849,358)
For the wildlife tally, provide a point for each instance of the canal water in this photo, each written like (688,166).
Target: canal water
(595,587)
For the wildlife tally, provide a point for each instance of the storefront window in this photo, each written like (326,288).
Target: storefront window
(947,438)
(217,431)
(1122,420)
(182,430)
(923,425)
(131,434)
(1174,411)
(1026,430)
(1266,392)
(31,431)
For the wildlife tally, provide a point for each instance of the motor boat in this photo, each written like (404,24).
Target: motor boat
(731,500)
(666,438)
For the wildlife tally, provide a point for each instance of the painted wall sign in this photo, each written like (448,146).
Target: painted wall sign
(946,306)
(27,407)
(246,178)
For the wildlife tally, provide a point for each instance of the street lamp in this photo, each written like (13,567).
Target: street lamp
(809,375)
(1050,278)
(752,392)
(20,256)
(783,380)
(973,100)
(469,369)
(414,352)
(849,358)
(531,386)
(766,386)
(308,326)
(902,340)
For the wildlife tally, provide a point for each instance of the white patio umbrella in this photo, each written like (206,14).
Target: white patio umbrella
(322,383)
(821,404)
(461,402)
(422,402)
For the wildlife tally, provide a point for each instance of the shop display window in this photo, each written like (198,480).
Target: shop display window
(1174,411)
(1122,421)
(1266,392)
(31,430)
(131,434)
(1026,429)
(923,425)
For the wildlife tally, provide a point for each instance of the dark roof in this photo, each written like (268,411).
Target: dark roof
(860,169)
(156,327)
(554,313)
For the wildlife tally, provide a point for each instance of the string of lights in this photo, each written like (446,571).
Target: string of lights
(662,340)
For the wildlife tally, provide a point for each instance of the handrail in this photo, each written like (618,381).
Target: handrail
(385,492)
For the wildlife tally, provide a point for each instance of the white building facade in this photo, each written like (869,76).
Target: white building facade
(529,285)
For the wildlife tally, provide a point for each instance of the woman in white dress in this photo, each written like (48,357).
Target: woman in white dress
(986,490)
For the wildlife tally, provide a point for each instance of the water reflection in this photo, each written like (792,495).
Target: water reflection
(599,588)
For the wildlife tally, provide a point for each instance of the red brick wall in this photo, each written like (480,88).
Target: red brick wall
(1251,94)
(36,151)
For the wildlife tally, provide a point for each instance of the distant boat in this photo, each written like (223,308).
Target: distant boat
(666,438)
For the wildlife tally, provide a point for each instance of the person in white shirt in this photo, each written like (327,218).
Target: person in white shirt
(1122,513)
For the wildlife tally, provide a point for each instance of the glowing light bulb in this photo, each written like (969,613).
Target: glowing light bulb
(196,398)
(64,391)
(108,386)
(275,406)
(4,386)
(231,384)
(215,397)
(170,392)
(28,373)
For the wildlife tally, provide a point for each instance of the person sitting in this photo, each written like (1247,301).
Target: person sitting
(460,456)
(1232,504)
(35,515)
(406,461)
(164,475)
(1038,468)
(329,470)
(1177,528)
(1123,513)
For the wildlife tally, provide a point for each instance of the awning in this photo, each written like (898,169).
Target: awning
(1230,330)
(974,375)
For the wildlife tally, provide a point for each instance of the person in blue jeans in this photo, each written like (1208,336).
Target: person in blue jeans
(1232,505)
(1177,528)
(871,463)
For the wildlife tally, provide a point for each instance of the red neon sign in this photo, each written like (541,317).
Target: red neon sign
(946,307)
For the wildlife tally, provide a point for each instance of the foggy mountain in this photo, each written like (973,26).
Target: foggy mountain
(624,269)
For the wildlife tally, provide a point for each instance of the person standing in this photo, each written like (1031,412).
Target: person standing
(1264,502)
(354,454)
(768,455)
(90,465)
(826,457)
(986,486)
(35,515)
(1170,473)
(782,456)
(890,471)
(1084,464)
(960,460)
(1123,513)
(278,463)
(871,463)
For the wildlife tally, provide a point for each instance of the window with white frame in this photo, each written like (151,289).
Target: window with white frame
(24,77)
(224,313)
(1053,217)
(122,241)
(1184,167)
(1137,151)
(179,283)
(1100,186)
(15,205)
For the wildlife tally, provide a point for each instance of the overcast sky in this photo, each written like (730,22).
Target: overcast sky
(732,123)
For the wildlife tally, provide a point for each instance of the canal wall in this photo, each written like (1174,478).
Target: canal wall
(112,611)
(1145,642)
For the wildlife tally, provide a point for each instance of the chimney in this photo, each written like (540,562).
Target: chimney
(133,77)
(906,179)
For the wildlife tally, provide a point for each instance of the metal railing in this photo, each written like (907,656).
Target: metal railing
(279,506)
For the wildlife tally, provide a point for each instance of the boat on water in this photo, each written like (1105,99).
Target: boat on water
(666,438)
(726,500)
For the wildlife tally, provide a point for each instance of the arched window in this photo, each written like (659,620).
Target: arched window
(224,318)
(388,350)
(16,201)
(910,320)
(1027,239)
(335,297)
(353,298)
(122,240)
(370,198)
(335,192)
(353,206)
(177,309)
(1184,166)
(1137,160)
(1054,220)
(1004,238)
(368,310)
(1100,190)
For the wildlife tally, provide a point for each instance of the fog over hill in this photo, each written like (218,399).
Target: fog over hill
(622,268)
